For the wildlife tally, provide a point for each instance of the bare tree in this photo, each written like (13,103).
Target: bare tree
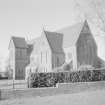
(99,9)
(92,10)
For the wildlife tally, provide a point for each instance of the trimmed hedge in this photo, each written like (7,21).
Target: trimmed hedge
(50,79)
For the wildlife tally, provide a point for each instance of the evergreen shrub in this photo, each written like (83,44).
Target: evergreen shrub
(36,80)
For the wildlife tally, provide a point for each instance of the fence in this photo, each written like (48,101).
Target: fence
(9,84)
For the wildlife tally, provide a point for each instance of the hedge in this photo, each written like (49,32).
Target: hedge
(50,79)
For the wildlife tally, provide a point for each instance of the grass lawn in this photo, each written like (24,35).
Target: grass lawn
(79,94)
(96,97)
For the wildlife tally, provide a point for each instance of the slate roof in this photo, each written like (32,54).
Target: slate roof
(55,41)
(71,34)
(19,42)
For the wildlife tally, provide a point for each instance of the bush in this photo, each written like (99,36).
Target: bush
(50,79)
(42,80)
(98,75)
(85,76)
(67,66)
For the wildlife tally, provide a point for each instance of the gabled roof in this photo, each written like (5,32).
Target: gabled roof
(55,41)
(19,42)
(71,33)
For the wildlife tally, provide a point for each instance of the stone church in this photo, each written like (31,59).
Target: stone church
(74,44)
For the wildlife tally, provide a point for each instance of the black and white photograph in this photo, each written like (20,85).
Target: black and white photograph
(52,52)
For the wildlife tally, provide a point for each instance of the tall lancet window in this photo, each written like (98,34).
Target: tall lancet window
(46,57)
(41,57)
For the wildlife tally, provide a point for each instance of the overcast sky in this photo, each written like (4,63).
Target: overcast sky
(26,18)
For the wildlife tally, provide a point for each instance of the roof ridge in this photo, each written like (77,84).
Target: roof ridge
(52,32)
(18,37)
(70,26)
(19,42)
(71,33)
